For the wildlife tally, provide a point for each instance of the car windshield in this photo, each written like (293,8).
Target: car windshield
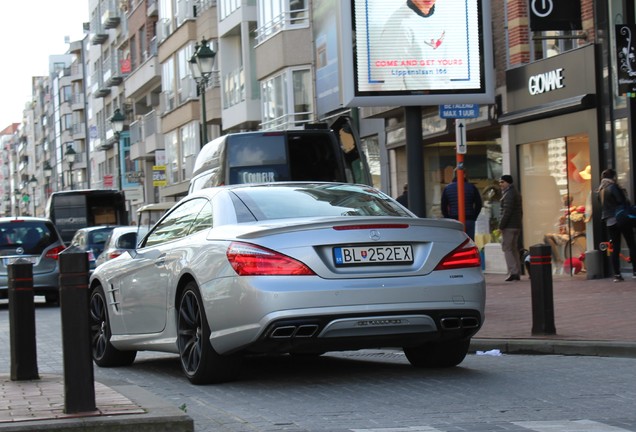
(32,236)
(276,202)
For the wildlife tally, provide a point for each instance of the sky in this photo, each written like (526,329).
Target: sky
(31,31)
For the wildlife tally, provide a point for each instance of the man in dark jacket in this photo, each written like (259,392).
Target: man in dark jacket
(404,198)
(472,204)
(510,226)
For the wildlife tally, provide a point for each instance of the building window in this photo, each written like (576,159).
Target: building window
(166,19)
(287,100)
(171,141)
(185,83)
(227,7)
(168,85)
(190,143)
(553,43)
(278,15)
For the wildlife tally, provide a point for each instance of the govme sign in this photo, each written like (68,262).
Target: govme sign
(546,82)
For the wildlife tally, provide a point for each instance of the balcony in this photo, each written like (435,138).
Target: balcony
(144,78)
(152,8)
(98,34)
(76,72)
(145,137)
(111,17)
(77,102)
(115,69)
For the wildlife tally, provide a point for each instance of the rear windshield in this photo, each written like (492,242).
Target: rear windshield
(32,236)
(257,158)
(271,202)
(97,239)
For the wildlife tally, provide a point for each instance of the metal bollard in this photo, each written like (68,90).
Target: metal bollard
(24,361)
(79,384)
(541,287)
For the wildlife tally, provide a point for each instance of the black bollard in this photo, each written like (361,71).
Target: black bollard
(24,361)
(79,384)
(541,286)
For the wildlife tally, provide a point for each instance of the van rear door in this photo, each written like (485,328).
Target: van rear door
(351,146)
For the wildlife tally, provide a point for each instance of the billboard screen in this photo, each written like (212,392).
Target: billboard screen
(419,52)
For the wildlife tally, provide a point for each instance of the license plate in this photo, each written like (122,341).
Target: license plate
(371,255)
(29,259)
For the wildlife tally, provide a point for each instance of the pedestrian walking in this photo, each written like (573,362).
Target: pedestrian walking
(510,226)
(472,203)
(404,198)
(612,196)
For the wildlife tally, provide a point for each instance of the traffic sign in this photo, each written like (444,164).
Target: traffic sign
(460,136)
(454,111)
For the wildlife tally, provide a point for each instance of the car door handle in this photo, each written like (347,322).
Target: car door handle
(161,261)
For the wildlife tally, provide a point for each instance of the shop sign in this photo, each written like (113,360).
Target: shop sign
(547,15)
(460,111)
(159,176)
(546,82)
(626,69)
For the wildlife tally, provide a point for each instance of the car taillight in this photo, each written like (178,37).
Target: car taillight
(466,255)
(114,254)
(53,253)
(250,260)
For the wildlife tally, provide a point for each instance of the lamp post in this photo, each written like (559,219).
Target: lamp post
(18,199)
(48,172)
(201,64)
(33,182)
(117,121)
(69,155)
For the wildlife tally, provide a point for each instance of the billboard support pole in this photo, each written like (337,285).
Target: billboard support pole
(414,159)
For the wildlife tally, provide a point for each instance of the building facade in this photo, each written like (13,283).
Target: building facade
(556,122)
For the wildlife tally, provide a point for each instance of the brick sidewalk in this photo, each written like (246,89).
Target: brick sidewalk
(595,309)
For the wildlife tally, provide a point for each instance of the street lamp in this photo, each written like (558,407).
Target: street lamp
(33,182)
(201,64)
(69,155)
(117,121)
(48,172)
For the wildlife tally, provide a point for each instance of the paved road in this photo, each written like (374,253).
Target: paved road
(378,391)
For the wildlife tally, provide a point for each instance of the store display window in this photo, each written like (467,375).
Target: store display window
(555,177)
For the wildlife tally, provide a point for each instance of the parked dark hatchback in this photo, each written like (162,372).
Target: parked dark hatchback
(37,241)
(91,240)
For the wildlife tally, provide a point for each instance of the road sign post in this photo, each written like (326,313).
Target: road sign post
(460,112)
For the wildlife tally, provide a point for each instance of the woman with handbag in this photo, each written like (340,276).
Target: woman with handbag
(613,198)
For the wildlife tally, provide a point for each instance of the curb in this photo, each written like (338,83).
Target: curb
(558,347)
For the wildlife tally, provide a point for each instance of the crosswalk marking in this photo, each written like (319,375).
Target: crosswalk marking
(568,426)
(537,426)
(400,429)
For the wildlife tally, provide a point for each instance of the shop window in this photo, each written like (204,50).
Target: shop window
(483,167)
(555,178)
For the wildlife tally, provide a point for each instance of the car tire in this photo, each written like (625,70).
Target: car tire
(104,353)
(199,362)
(438,354)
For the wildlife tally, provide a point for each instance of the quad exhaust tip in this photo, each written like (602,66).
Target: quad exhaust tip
(456,323)
(292,331)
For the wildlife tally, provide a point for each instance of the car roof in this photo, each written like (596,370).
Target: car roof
(97,228)
(156,206)
(24,218)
